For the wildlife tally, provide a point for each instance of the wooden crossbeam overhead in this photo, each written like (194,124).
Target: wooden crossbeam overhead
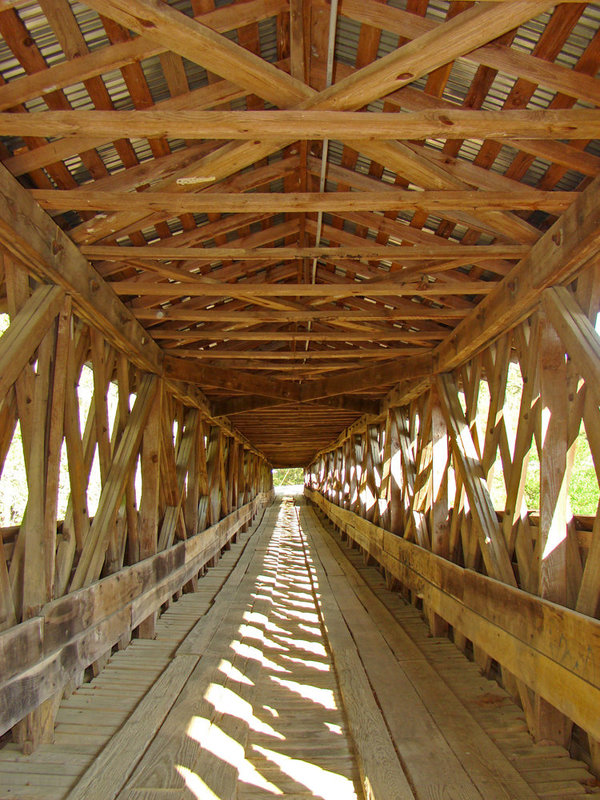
(243,405)
(332,354)
(498,56)
(275,202)
(286,336)
(248,289)
(410,61)
(179,369)
(121,54)
(201,45)
(417,311)
(367,252)
(246,125)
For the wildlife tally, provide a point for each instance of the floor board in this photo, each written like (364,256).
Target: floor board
(293,672)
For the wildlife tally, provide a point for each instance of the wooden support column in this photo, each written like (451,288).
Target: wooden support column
(492,543)
(92,556)
(396,513)
(149,507)
(347,478)
(550,556)
(202,464)
(25,333)
(213,458)
(415,526)
(192,495)
(186,444)
(439,516)
(39,524)
(243,482)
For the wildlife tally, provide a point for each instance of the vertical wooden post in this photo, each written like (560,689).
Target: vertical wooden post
(396,512)
(213,456)
(149,511)
(439,517)
(551,545)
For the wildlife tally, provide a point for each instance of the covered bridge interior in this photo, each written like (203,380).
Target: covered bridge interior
(354,236)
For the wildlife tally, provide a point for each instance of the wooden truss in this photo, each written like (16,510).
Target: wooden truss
(277,236)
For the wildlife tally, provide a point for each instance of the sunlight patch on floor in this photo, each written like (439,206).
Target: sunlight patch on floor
(321,782)
(274,697)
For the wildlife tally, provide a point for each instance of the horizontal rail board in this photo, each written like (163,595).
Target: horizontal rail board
(552,649)
(40,655)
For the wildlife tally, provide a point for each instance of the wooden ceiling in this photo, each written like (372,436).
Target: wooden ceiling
(299,201)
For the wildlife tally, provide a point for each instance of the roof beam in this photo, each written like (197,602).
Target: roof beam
(31,236)
(373,252)
(331,354)
(555,259)
(118,55)
(235,380)
(241,405)
(180,313)
(262,290)
(450,40)
(201,334)
(160,23)
(361,379)
(437,47)
(280,202)
(497,56)
(340,125)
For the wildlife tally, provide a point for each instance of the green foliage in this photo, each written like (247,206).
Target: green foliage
(291,476)
(583,485)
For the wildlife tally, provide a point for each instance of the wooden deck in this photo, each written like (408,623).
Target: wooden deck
(292,672)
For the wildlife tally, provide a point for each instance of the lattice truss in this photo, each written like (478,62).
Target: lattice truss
(426,473)
(299,201)
(296,232)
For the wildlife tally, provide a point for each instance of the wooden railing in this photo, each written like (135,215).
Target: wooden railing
(554,650)
(39,656)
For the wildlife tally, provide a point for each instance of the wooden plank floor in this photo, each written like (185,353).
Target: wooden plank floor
(478,719)
(292,672)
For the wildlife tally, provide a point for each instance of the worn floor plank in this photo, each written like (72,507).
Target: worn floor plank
(292,672)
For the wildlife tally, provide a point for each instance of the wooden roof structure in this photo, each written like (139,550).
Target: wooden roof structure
(347,235)
(302,208)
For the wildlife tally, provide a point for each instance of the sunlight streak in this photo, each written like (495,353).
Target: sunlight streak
(225,701)
(227,668)
(321,666)
(212,738)
(309,629)
(337,729)
(321,782)
(195,784)
(252,632)
(316,648)
(323,697)
(254,654)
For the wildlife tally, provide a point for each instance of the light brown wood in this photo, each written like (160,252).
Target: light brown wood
(460,597)
(341,225)
(25,333)
(35,240)
(372,252)
(325,124)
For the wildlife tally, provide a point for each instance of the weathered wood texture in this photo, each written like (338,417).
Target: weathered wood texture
(466,538)
(183,154)
(74,587)
(345,230)
(68,634)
